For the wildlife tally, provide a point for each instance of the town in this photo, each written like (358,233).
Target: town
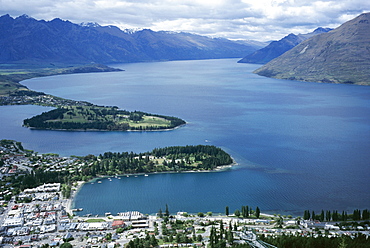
(42,216)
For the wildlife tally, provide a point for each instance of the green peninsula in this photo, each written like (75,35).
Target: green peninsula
(71,114)
(38,169)
(100,118)
(12,74)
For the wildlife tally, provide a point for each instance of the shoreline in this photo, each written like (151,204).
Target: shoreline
(102,130)
(70,201)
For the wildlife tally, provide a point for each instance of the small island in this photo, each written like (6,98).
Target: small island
(70,114)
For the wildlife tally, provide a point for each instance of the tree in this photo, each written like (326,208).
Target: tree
(322,215)
(356,214)
(160,214)
(306,215)
(153,241)
(237,213)
(343,243)
(279,222)
(167,213)
(230,236)
(200,214)
(258,212)
(221,229)
(328,215)
(227,210)
(66,245)
(365,214)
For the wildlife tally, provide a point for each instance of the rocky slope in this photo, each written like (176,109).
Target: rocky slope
(339,56)
(277,48)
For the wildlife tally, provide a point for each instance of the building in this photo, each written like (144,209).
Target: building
(118,224)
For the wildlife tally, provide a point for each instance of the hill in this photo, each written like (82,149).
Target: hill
(277,48)
(339,56)
(25,39)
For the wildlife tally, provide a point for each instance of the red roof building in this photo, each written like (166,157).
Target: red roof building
(118,223)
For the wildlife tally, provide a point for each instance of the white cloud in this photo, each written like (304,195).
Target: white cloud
(235,19)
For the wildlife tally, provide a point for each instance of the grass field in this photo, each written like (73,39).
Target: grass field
(150,121)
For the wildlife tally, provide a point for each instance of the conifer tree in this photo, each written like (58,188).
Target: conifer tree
(167,213)
(258,212)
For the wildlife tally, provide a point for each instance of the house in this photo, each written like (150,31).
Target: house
(117,224)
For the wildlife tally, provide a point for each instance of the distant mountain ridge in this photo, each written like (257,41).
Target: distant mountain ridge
(25,39)
(277,48)
(339,56)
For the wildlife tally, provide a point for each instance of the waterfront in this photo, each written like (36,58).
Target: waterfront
(298,145)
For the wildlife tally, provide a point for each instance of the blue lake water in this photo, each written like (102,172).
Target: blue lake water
(298,145)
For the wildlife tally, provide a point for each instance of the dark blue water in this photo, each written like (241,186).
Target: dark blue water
(299,145)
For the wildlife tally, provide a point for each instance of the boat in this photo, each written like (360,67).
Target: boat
(77,209)
(146,175)
(99,181)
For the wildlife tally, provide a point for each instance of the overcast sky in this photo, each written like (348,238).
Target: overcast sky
(261,20)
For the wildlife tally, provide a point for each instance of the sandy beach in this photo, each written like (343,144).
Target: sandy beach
(69,202)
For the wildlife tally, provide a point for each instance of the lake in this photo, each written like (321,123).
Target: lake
(298,145)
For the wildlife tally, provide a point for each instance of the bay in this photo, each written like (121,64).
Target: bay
(298,145)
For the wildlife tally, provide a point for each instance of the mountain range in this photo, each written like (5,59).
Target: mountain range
(277,48)
(25,39)
(339,56)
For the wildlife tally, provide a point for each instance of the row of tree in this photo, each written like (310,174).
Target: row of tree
(335,216)
(245,213)
(290,241)
(221,238)
(70,125)
(148,242)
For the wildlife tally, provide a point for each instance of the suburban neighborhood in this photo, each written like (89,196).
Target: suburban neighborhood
(43,216)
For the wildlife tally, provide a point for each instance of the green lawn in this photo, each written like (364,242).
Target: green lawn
(94,220)
(150,121)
